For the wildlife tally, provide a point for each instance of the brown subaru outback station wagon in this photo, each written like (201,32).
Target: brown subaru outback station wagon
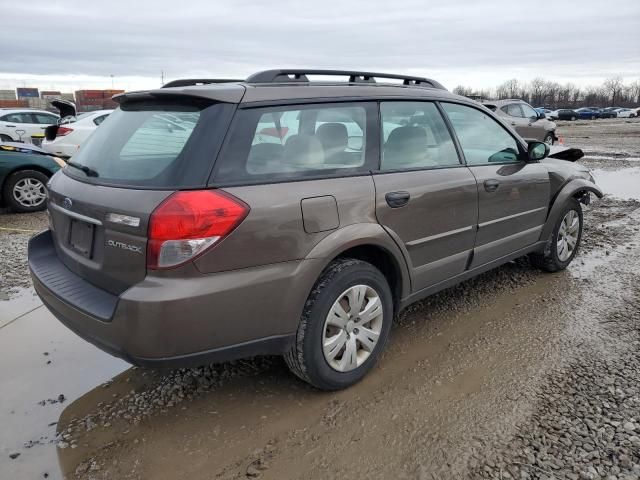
(211,220)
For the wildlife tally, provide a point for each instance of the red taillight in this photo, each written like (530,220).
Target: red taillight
(188,223)
(62,131)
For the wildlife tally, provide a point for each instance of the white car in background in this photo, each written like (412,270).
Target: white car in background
(627,113)
(19,125)
(64,140)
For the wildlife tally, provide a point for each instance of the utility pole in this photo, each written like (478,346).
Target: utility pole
(111,81)
(161,78)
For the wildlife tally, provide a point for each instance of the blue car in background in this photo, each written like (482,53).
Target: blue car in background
(588,113)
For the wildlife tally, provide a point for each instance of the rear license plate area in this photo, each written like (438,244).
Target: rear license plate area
(81,237)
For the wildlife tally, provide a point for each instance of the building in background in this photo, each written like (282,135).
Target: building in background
(91,100)
(50,95)
(7,95)
(27,92)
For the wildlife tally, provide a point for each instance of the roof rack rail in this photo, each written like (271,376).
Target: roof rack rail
(187,82)
(300,75)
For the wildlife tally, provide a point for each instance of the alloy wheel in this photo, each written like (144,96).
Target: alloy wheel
(568,235)
(352,328)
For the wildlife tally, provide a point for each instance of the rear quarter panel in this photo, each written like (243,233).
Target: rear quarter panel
(274,229)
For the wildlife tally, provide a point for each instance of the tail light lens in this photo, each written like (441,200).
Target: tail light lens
(62,131)
(188,223)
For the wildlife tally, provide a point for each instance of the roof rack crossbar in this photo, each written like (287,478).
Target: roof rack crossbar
(187,82)
(300,75)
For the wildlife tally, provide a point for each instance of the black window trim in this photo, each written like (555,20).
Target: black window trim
(372,153)
(521,146)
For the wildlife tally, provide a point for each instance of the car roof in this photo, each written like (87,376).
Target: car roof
(504,101)
(5,111)
(291,85)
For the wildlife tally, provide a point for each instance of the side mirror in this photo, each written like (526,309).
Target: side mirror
(541,115)
(538,151)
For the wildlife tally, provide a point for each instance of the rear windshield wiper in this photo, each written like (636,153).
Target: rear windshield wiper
(89,172)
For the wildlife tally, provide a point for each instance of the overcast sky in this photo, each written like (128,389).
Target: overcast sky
(80,44)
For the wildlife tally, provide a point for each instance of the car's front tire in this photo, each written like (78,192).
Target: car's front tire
(25,191)
(5,138)
(573,118)
(548,138)
(565,240)
(344,325)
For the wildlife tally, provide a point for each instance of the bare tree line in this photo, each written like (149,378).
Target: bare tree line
(543,93)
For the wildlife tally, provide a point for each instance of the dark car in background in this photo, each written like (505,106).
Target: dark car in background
(564,114)
(609,112)
(588,113)
(24,173)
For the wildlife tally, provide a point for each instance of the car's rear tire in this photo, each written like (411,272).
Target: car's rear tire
(573,119)
(549,138)
(565,240)
(25,191)
(5,138)
(593,117)
(344,325)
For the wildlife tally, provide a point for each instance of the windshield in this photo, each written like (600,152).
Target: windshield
(147,145)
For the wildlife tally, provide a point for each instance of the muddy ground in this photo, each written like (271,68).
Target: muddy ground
(514,374)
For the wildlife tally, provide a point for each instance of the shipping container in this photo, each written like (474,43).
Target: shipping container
(13,104)
(50,94)
(38,103)
(27,92)
(7,95)
(89,94)
(68,96)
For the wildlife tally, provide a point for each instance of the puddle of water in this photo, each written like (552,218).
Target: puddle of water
(623,183)
(26,378)
(18,304)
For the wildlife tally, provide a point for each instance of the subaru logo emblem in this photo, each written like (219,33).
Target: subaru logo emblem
(67,203)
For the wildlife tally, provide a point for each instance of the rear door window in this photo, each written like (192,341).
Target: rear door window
(44,119)
(276,143)
(513,110)
(155,145)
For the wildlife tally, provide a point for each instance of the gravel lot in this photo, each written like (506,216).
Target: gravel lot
(513,375)
(15,231)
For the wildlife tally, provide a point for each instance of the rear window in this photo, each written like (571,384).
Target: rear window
(164,145)
(277,143)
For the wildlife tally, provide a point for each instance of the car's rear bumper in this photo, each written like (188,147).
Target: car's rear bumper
(176,322)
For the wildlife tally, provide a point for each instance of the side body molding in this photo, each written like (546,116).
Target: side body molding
(569,190)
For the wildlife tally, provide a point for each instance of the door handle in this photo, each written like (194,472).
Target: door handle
(397,199)
(491,185)
(513,123)
(11,126)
